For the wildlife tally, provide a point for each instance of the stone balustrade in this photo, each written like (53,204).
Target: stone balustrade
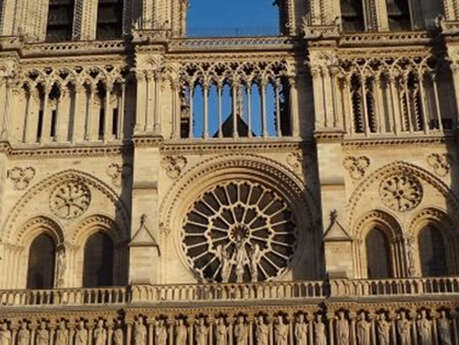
(271,313)
(214,292)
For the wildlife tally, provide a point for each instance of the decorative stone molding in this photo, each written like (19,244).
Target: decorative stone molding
(70,199)
(357,166)
(400,168)
(173,165)
(401,192)
(295,160)
(117,171)
(440,163)
(21,177)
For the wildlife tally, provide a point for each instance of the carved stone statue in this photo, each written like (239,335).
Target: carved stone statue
(202,332)
(301,331)
(444,329)
(342,329)
(100,333)
(180,333)
(424,329)
(280,332)
(81,335)
(118,334)
(62,334)
(262,331)
(363,330)
(383,330)
(140,332)
(254,260)
(42,335)
(161,333)
(5,335)
(241,258)
(240,331)
(221,332)
(319,332)
(60,267)
(23,335)
(225,262)
(403,328)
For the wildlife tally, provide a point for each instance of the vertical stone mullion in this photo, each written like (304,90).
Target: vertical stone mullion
(85,20)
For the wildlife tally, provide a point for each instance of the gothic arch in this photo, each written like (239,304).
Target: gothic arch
(390,227)
(81,234)
(16,264)
(49,182)
(247,167)
(447,229)
(394,168)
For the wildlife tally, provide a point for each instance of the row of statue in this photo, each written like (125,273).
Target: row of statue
(304,329)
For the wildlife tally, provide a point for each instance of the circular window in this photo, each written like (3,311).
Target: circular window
(237,232)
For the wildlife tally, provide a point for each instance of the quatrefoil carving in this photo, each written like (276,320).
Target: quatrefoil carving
(357,166)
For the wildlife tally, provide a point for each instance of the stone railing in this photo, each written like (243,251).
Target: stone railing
(312,291)
(76,296)
(394,287)
(228,292)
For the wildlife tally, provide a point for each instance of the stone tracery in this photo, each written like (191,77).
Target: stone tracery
(239,231)
(70,200)
(401,192)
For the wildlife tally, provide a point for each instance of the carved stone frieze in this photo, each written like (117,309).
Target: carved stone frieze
(70,199)
(173,165)
(401,192)
(440,163)
(21,177)
(357,166)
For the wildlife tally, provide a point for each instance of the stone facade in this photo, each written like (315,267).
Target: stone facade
(319,206)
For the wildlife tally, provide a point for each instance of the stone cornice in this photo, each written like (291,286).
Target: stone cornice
(357,143)
(40,151)
(242,145)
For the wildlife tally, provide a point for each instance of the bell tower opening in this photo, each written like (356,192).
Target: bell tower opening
(236,18)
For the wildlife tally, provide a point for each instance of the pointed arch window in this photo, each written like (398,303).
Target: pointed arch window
(379,265)
(352,15)
(432,252)
(60,20)
(98,260)
(40,271)
(109,19)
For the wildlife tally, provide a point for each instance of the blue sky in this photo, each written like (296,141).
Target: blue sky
(236,17)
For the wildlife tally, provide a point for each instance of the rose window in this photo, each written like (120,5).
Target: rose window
(239,231)
(70,199)
(401,192)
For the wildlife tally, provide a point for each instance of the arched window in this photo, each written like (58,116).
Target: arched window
(352,15)
(378,255)
(432,252)
(60,20)
(40,271)
(98,261)
(109,19)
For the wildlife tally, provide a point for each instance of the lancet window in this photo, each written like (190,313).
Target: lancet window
(432,252)
(235,100)
(40,271)
(60,20)
(378,252)
(98,260)
(109,19)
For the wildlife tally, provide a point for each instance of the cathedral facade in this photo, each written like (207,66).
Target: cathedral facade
(160,189)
